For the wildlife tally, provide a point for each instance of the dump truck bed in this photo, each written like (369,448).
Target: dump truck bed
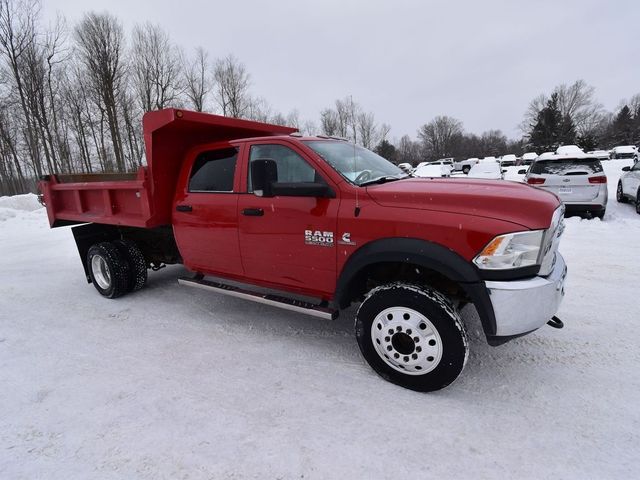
(144,198)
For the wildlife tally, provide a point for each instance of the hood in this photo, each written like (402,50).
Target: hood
(503,200)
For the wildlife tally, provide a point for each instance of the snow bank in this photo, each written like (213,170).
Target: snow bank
(12,206)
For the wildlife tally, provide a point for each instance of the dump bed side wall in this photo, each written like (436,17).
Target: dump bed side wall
(98,199)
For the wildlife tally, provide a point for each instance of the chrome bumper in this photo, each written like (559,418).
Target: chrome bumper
(521,306)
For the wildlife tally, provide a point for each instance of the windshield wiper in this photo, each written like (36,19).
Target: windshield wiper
(383,179)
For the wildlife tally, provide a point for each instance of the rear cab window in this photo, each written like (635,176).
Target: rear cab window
(570,166)
(214,171)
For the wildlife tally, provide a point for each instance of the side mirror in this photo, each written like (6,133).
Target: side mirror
(522,171)
(626,169)
(264,172)
(504,170)
(302,189)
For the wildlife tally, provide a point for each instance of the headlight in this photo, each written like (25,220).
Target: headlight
(512,250)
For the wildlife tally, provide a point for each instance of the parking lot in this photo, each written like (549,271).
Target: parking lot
(176,383)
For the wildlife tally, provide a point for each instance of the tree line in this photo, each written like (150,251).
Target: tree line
(72,100)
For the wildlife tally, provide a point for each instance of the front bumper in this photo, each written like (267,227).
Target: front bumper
(521,306)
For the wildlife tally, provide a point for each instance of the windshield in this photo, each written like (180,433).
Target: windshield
(356,164)
(566,167)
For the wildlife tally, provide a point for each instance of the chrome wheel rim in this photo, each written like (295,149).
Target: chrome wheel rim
(100,272)
(406,340)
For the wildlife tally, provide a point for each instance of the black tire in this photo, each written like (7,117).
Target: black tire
(620,194)
(466,169)
(137,264)
(412,305)
(111,275)
(638,202)
(600,214)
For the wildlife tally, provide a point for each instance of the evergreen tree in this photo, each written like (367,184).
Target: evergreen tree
(550,128)
(623,127)
(386,150)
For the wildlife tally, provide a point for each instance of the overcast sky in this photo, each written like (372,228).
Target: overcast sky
(406,61)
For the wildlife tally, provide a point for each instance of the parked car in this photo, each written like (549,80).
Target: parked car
(447,163)
(508,160)
(578,180)
(406,167)
(528,158)
(600,154)
(486,169)
(569,150)
(544,155)
(432,170)
(624,151)
(465,165)
(629,186)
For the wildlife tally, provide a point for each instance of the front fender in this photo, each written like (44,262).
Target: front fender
(425,254)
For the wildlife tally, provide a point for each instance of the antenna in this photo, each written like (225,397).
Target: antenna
(355,169)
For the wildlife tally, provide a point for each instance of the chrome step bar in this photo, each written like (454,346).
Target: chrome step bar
(264,298)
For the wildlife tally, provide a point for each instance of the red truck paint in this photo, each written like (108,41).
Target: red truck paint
(328,247)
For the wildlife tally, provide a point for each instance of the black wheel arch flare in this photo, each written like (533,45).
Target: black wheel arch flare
(426,254)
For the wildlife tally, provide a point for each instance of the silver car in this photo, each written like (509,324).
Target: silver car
(629,186)
(577,179)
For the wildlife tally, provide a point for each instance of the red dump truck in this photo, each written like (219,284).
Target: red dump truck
(314,224)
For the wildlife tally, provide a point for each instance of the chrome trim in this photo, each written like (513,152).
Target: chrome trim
(551,241)
(521,306)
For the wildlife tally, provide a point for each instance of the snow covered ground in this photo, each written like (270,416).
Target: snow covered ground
(177,383)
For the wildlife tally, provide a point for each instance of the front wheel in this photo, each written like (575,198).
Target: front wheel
(620,194)
(412,336)
(466,169)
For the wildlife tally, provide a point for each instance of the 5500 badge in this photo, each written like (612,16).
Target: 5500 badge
(316,237)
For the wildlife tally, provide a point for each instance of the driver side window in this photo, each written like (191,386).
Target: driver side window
(636,167)
(292,168)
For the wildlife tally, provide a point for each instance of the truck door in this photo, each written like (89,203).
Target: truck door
(289,240)
(205,220)
(631,181)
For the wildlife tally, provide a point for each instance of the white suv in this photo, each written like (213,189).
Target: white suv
(578,180)
(629,186)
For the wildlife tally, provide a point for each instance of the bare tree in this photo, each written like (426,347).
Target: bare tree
(329,122)
(439,136)
(408,151)
(231,86)
(197,81)
(17,35)
(155,66)
(367,129)
(576,101)
(100,42)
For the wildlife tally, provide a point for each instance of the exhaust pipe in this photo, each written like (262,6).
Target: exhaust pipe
(555,322)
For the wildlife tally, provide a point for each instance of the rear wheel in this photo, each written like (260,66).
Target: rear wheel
(638,202)
(411,336)
(620,194)
(137,264)
(108,270)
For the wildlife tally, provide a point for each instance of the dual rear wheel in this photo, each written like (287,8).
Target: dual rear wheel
(116,268)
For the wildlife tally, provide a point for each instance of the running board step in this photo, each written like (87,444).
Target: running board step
(267,299)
